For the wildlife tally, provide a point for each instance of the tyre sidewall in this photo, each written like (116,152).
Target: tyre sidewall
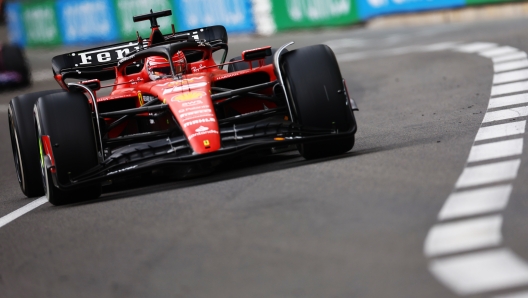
(21,124)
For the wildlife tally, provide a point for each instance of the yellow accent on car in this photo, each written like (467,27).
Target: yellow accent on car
(140,97)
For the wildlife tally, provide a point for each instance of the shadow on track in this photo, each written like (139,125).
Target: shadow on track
(229,171)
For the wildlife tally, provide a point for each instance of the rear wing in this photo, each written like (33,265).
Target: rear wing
(99,63)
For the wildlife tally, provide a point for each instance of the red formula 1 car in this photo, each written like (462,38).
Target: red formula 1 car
(173,108)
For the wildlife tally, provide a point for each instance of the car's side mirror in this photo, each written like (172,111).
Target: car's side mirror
(256,54)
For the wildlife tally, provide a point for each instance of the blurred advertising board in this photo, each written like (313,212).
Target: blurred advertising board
(40,23)
(126,9)
(235,15)
(15,23)
(478,2)
(86,21)
(371,8)
(313,13)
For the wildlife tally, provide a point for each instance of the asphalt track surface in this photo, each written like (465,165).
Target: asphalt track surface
(348,226)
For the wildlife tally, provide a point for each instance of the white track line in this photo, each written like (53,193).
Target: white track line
(475,202)
(481,271)
(346,43)
(495,52)
(508,100)
(510,76)
(510,65)
(511,113)
(510,57)
(42,75)
(500,130)
(475,47)
(492,269)
(514,295)
(21,211)
(509,88)
(496,150)
(489,173)
(439,46)
(348,57)
(463,235)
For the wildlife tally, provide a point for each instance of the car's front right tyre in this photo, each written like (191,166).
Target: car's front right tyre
(66,120)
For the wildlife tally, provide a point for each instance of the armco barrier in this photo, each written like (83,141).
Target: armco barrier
(313,13)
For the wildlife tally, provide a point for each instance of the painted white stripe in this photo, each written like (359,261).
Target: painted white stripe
(514,295)
(352,56)
(481,272)
(490,173)
(499,67)
(3,108)
(439,46)
(510,57)
(42,75)
(511,76)
(511,113)
(474,202)
(508,100)
(21,211)
(509,88)
(500,130)
(498,52)
(463,235)
(475,47)
(346,43)
(496,150)
(399,51)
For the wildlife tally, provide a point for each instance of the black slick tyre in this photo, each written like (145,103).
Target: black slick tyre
(314,84)
(66,119)
(24,143)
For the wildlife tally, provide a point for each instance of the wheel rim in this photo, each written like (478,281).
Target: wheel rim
(16,150)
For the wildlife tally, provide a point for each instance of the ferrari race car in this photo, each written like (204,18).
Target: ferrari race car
(173,109)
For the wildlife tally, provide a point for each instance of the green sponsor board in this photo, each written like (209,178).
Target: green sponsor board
(126,9)
(478,2)
(40,22)
(310,13)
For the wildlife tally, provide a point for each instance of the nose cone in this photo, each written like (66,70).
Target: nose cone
(190,102)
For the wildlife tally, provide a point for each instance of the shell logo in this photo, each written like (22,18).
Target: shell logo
(186,96)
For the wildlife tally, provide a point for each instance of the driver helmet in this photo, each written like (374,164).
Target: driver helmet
(159,68)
